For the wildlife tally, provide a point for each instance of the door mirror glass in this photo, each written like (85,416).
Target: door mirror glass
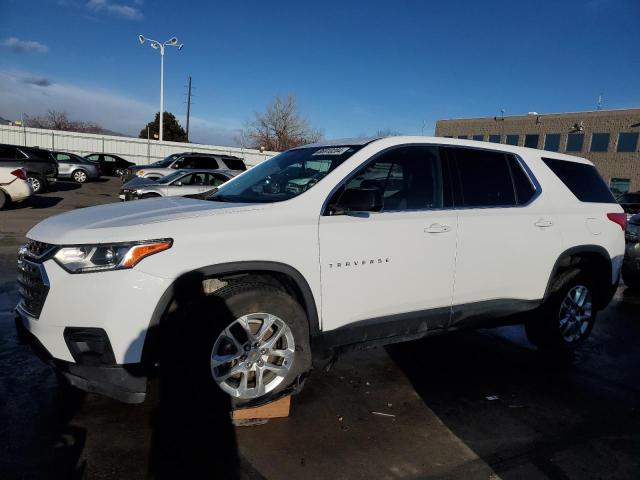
(363,199)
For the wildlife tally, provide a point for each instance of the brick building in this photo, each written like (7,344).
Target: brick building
(609,138)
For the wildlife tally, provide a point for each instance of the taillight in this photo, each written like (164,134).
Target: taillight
(20,174)
(619,218)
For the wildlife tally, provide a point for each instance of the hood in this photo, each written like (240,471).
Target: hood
(138,182)
(126,221)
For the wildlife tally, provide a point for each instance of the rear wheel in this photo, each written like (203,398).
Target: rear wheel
(249,340)
(118,172)
(37,183)
(79,176)
(567,316)
(3,199)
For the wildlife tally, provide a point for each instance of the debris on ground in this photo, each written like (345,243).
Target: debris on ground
(381,414)
(492,397)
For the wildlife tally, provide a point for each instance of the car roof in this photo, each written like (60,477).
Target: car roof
(208,170)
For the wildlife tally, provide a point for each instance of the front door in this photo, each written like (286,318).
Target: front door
(391,272)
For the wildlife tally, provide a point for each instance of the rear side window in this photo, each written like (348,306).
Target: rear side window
(234,163)
(203,162)
(485,178)
(582,179)
(8,153)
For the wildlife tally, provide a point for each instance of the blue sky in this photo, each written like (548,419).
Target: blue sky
(355,66)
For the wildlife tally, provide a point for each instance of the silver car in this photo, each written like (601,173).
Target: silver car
(183,161)
(76,168)
(177,183)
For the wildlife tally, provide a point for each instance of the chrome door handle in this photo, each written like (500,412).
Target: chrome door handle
(543,223)
(437,228)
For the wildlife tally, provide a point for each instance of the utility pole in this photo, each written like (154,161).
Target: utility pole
(188,106)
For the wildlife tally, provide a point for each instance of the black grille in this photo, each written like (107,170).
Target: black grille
(32,282)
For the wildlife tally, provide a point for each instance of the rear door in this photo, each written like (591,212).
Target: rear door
(507,241)
(64,164)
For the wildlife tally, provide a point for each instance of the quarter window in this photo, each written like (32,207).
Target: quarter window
(575,142)
(512,139)
(582,179)
(407,177)
(531,140)
(485,178)
(599,142)
(627,141)
(552,142)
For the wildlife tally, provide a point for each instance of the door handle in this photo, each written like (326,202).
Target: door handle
(543,223)
(437,228)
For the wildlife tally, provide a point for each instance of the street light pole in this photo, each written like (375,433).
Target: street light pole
(172,42)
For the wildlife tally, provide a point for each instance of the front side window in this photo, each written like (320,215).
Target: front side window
(409,178)
(63,157)
(484,177)
(575,142)
(531,140)
(284,176)
(512,139)
(552,142)
(627,141)
(165,162)
(599,142)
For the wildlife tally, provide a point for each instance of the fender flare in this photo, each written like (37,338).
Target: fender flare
(308,299)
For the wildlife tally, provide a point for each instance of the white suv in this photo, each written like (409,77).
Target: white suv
(394,239)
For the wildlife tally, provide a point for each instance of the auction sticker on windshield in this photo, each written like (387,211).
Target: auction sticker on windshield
(332,151)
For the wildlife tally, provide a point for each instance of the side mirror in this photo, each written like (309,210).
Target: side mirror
(178,184)
(359,200)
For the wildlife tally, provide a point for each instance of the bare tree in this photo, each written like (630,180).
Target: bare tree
(387,132)
(56,120)
(279,128)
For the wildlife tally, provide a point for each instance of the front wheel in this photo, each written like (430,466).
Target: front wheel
(79,176)
(567,316)
(118,172)
(249,340)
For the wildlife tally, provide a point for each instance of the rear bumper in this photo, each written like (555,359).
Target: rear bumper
(126,383)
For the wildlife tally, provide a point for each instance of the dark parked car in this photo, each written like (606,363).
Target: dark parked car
(75,167)
(182,161)
(630,202)
(40,165)
(631,265)
(110,164)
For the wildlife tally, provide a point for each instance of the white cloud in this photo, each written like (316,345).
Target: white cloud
(19,93)
(123,11)
(24,46)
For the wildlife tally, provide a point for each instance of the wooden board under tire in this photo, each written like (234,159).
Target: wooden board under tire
(278,409)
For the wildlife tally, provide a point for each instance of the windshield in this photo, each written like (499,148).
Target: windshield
(284,176)
(171,177)
(165,162)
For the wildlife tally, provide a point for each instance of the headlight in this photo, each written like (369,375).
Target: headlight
(117,256)
(140,173)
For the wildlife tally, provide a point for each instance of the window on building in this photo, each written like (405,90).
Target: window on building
(494,138)
(619,186)
(463,137)
(582,179)
(512,139)
(552,142)
(599,142)
(531,140)
(485,178)
(627,141)
(479,138)
(448,136)
(575,142)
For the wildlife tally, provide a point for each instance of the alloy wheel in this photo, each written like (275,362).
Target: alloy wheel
(35,184)
(576,311)
(253,355)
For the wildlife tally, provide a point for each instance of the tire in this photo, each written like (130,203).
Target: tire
(208,352)
(118,172)
(150,195)
(567,317)
(630,277)
(79,176)
(4,200)
(37,183)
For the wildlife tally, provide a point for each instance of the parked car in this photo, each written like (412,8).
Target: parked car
(184,161)
(176,184)
(77,168)
(630,202)
(631,265)
(110,164)
(248,289)
(14,186)
(40,166)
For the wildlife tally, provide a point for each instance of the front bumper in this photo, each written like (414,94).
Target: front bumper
(127,383)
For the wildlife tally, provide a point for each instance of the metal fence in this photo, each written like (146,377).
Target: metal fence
(137,150)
